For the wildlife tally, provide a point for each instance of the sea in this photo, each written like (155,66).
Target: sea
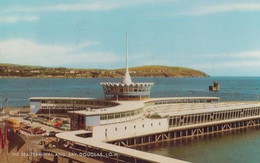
(235,147)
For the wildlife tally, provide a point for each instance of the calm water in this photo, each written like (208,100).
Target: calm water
(18,91)
(239,146)
(235,147)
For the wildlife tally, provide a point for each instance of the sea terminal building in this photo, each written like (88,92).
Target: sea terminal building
(159,115)
(128,117)
(133,123)
(126,111)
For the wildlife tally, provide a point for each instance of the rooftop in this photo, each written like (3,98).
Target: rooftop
(123,106)
(131,105)
(191,108)
(62,98)
(123,84)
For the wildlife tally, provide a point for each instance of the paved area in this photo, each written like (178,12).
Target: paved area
(34,124)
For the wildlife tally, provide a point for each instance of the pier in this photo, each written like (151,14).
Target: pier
(110,153)
(175,133)
(120,150)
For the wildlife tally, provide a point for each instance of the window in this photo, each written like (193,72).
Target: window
(116,129)
(151,124)
(103,117)
(125,127)
(110,116)
(122,114)
(143,126)
(159,123)
(134,126)
(117,115)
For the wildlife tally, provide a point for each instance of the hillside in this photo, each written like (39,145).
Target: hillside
(12,70)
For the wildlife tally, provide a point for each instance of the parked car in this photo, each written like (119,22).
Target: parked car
(35,119)
(52,133)
(65,127)
(26,117)
(58,124)
(50,123)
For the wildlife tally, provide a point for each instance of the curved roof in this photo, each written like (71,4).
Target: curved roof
(122,84)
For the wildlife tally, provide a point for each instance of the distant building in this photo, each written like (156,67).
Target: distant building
(35,71)
(215,86)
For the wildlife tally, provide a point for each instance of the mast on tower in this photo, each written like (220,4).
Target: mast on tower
(127,79)
(126,89)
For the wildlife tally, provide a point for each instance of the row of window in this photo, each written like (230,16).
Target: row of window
(134,126)
(83,102)
(120,115)
(64,107)
(212,116)
(127,89)
(186,101)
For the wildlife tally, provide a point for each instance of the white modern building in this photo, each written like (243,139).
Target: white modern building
(128,116)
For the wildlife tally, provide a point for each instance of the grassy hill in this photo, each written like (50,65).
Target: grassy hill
(12,70)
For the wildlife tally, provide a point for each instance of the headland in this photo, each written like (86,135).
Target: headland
(22,71)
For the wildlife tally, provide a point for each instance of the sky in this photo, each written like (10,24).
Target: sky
(219,37)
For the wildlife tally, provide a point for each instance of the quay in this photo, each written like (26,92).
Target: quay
(116,153)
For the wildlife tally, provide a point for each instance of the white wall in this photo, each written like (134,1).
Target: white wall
(35,107)
(127,129)
(92,120)
(117,120)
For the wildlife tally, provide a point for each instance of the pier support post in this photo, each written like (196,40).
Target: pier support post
(55,159)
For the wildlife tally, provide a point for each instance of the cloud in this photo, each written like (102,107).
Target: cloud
(101,5)
(28,52)
(245,62)
(247,54)
(15,19)
(222,8)
(229,64)
(254,54)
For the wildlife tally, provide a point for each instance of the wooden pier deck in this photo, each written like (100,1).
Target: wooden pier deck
(122,154)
